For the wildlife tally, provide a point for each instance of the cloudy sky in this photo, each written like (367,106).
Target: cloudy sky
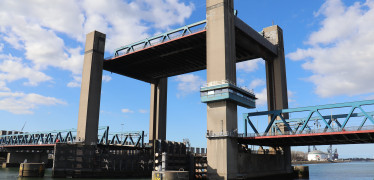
(328,44)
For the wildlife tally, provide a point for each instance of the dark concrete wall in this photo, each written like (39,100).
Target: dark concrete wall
(31,157)
(84,161)
(262,165)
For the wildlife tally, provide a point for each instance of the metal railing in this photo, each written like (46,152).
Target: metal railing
(222,82)
(309,131)
(303,122)
(162,38)
(222,134)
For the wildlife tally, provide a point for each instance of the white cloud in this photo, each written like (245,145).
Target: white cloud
(12,70)
(106,78)
(76,82)
(188,83)
(249,66)
(143,111)
(159,9)
(262,98)
(240,80)
(291,95)
(3,86)
(126,111)
(341,55)
(44,31)
(256,83)
(1,47)
(109,17)
(21,103)
(74,63)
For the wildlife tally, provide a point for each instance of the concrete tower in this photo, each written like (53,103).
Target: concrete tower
(221,66)
(89,104)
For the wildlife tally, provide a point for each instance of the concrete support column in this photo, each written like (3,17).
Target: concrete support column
(157,120)
(221,65)
(276,82)
(89,105)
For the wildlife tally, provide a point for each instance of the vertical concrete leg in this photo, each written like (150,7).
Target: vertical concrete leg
(157,120)
(276,80)
(276,71)
(221,116)
(89,105)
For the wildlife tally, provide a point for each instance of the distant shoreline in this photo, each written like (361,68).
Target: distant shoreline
(325,162)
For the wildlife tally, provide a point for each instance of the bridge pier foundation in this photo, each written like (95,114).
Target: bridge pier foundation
(90,161)
(263,164)
(14,159)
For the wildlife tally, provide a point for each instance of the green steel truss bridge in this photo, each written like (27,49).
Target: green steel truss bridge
(315,125)
(50,138)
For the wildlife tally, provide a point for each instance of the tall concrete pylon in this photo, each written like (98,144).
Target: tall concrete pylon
(276,82)
(89,104)
(221,65)
(157,120)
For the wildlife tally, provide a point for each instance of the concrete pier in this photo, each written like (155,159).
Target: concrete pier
(157,121)
(31,170)
(276,82)
(89,104)
(221,66)
(14,159)
(225,159)
(301,172)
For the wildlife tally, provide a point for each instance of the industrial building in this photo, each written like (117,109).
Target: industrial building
(317,155)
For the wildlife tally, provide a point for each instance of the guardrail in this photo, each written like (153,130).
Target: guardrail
(309,131)
(176,33)
(303,122)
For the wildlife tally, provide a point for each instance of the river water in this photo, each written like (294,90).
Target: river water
(330,171)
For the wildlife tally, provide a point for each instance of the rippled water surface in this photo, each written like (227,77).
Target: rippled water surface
(331,171)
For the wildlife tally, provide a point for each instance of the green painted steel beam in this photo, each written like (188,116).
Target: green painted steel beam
(314,108)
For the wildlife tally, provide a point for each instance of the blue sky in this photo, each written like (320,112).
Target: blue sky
(328,44)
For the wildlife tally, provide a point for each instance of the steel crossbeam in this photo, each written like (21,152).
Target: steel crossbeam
(277,117)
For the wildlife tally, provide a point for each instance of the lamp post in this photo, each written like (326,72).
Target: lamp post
(121,131)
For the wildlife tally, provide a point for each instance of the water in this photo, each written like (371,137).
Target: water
(330,171)
(342,171)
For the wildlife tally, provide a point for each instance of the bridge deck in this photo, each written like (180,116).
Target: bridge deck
(327,138)
(184,54)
